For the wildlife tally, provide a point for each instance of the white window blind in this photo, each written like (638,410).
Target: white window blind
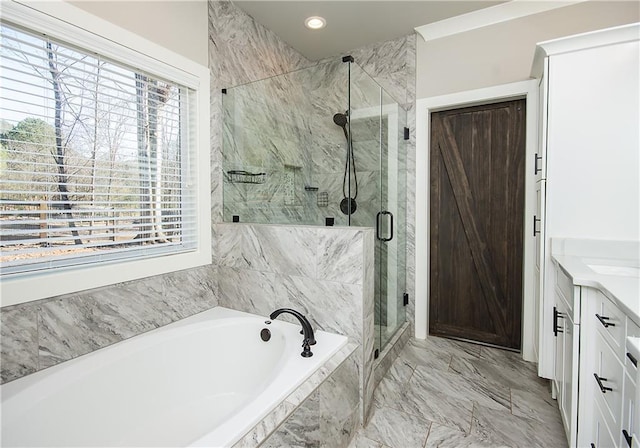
(94,158)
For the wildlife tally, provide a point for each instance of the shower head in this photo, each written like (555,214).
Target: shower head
(340,119)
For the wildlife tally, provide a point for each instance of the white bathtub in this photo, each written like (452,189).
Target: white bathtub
(202,381)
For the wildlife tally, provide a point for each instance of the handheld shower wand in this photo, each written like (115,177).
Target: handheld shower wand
(348,205)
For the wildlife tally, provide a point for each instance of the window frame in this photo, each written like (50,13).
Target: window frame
(57,19)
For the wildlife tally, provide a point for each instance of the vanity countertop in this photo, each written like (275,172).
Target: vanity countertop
(622,288)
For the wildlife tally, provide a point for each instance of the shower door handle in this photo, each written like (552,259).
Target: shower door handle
(384,212)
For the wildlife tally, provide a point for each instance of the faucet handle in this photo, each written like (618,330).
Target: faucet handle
(306,351)
(312,341)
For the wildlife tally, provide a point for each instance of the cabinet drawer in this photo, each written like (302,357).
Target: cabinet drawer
(610,322)
(629,409)
(607,380)
(601,436)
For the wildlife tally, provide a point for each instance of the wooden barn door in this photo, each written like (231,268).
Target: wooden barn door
(477,211)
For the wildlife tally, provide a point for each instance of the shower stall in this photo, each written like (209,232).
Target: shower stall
(323,146)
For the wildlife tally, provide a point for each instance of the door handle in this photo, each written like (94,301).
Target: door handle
(602,387)
(535,221)
(382,213)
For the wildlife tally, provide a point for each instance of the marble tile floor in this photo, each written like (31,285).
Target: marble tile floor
(446,393)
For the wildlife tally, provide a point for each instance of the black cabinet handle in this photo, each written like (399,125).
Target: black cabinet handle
(633,360)
(593,445)
(535,221)
(627,437)
(603,388)
(557,315)
(535,167)
(603,320)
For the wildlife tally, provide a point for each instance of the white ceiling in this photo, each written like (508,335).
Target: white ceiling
(351,24)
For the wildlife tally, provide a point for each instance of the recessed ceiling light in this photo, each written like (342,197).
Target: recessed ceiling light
(315,22)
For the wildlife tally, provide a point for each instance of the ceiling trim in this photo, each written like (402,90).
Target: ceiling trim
(488,16)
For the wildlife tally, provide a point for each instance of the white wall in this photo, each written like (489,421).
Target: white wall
(179,25)
(503,53)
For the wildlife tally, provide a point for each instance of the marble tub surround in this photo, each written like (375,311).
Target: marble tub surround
(37,335)
(324,272)
(445,393)
(323,411)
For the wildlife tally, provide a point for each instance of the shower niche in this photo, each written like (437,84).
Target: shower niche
(319,145)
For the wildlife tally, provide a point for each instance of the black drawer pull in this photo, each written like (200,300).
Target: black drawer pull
(633,360)
(603,320)
(603,388)
(593,445)
(627,437)
(556,315)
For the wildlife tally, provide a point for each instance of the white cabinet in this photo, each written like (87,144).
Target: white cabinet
(589,89)
(607,394)
(567,336)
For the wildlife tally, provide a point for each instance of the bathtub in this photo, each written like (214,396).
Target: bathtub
(202,381)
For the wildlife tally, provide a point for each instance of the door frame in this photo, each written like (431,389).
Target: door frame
(424,107)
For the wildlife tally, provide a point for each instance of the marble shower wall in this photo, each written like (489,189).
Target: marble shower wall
(242,51)
(37,335)
(326,273)
(272,126)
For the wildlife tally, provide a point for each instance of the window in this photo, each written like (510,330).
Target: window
(98,159)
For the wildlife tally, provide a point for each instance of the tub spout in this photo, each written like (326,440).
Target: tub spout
(307,330)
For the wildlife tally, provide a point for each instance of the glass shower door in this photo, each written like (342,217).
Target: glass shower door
(391,220)
(377,131)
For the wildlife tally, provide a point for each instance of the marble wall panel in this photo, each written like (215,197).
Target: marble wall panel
(340,257)
(331,306)
(243,51)
(41,334)
(18,342)
(314,269)
(268,248)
